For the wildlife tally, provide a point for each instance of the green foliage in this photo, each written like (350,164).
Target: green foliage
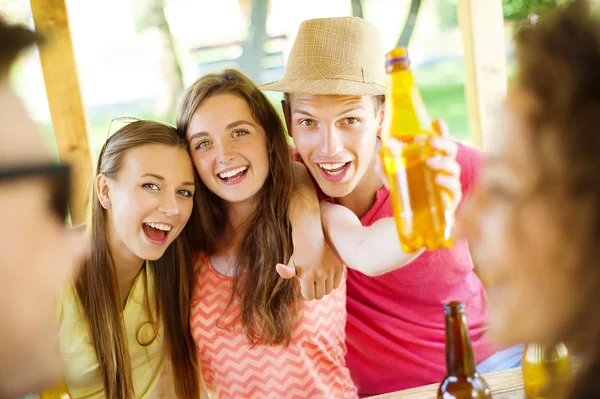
(447,11)
(519,10)
(514,10)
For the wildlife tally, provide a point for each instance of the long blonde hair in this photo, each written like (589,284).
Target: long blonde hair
(97,289)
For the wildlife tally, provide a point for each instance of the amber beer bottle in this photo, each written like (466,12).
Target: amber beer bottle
(422,211)
(59,391)
(547,371)
(462,380)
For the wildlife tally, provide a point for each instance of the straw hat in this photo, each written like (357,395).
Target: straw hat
(342,56)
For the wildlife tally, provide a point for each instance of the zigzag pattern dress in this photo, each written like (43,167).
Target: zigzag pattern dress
(312,366)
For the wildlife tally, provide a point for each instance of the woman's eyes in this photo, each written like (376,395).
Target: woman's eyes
(155,187)
(185,193)
(202,144)
(239,133)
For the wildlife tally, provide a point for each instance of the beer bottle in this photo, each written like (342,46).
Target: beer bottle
(421,209)
(58,391)
(462,380)
(547,371)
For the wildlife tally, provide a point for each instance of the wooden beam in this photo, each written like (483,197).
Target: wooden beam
(482,26)
(64,98)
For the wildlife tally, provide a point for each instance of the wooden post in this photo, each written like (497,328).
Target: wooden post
(64,98)
(482,26)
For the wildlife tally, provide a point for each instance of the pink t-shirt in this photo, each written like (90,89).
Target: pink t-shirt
(312,366)
(395,331)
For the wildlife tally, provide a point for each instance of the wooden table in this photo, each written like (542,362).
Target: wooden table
(506,384)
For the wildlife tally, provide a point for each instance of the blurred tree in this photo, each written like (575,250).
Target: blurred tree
(151,19)
(447,13)
(253,48)
(514,10)
(409,25)
(357,9)
(520,10)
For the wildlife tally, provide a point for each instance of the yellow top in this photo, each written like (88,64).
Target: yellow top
(80,371)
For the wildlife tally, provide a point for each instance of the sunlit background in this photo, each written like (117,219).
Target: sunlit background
(134,57)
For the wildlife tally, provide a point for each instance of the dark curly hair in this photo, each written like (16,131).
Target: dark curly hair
(13,40)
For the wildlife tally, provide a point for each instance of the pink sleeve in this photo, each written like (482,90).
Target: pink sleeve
(470,160)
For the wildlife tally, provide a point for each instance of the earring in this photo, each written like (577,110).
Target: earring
(107,204)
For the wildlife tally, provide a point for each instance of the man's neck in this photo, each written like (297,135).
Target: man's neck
(362,198)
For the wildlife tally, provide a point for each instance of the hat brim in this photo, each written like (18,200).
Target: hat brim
(325,87)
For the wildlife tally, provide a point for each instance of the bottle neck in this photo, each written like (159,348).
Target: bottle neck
(397,66)
(459,352)
(404,108)
(403,77)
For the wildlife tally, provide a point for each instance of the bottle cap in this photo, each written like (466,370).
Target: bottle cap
(399,54)
(454,308)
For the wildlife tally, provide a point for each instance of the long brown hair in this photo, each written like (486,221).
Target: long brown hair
(268,309)
(559,64)
(97,285)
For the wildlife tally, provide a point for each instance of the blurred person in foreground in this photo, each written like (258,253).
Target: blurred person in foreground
(37,254)
(533,224)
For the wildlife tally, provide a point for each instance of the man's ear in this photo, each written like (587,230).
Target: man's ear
(286,114)
(380,116)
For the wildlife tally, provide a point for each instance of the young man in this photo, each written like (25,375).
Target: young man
(37,254)
(334,84)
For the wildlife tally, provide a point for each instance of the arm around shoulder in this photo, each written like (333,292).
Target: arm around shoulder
(371,250)
(312,260)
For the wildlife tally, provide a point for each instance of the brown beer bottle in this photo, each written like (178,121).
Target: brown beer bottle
(462,380)
(422,210)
